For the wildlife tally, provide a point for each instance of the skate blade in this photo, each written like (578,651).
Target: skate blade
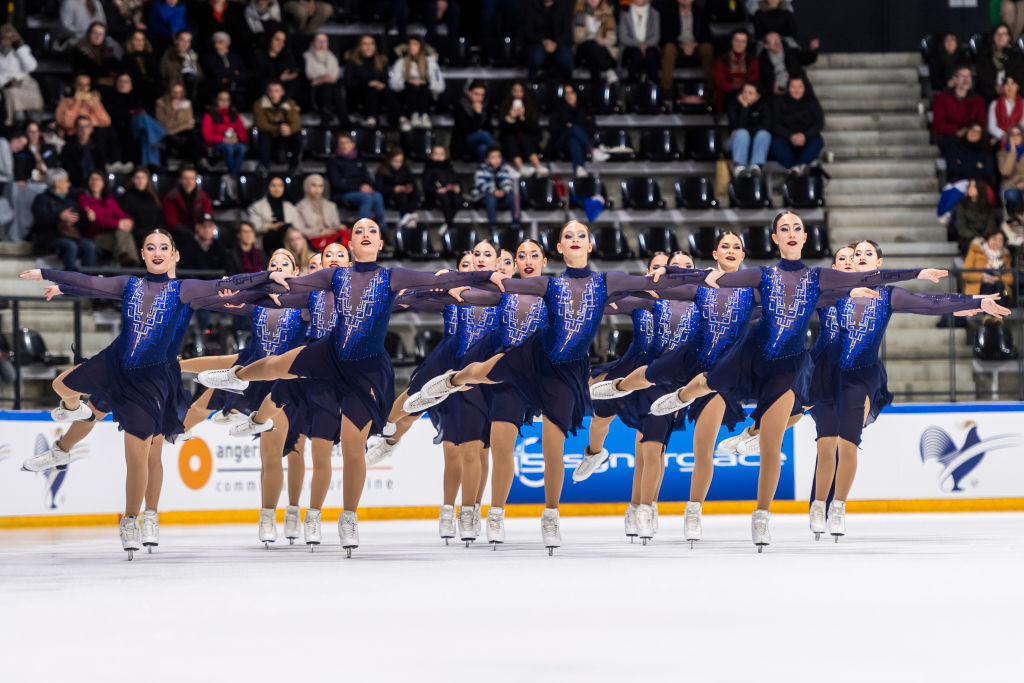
(551,550)
(131,554)
(836,536)
(495,544)
(291,541)
(817,535)
(760,546)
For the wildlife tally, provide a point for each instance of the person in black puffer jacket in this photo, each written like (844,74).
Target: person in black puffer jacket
(366,82)
(141,202)
(472,131)
(797,122)
(56,222)
(572,130)
(441,184)
(395,181)
(750,125)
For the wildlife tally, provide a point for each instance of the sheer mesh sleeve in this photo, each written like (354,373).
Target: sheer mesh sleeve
(201,293)
(89,286)
(535,286)
(626,305)
(620,283)
(930,303)
(259,297)
(305,284)
(838,279)
(404,278)
(748,277)
(225,306)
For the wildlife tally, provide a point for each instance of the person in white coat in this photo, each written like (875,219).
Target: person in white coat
(323,72)
(639,35)
(75,18)
(416,76)
(20,90)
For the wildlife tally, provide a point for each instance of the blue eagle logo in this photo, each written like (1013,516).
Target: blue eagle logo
(957,463)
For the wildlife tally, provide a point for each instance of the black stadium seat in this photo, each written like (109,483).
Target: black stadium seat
(417,143)
(617,142)
(539,194)
(618,342)
(458,239)
(610,244)
(424,342)
(251,188)
(319,143)
(582,188)
(641,193)
(695,193)
(645,98)
(30,348)
(658,144)
(748,192)
(703,144)
(758,242)
(702,241)
(803,192)
(600,97)
(396,349)
(509,238)
(655,239)
(415,244)
(817,242)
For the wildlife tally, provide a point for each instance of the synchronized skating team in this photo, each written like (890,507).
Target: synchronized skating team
(514,349)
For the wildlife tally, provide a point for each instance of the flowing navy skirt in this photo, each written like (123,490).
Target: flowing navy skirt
(143,401)
(868,384)
(504,402)
(823,392)
(439,361)
(311,407)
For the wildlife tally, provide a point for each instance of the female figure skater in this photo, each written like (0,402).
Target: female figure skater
(773,365)
(862,391)
(352,360)
(137,377)
(552,367)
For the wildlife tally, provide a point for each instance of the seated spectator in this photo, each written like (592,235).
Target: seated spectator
(263,17)
(272,215)
(366,79)
(997,59)
(750,125)
(352,185)
(140,64)
(595,36)
(323,73)
(16,168)
(398,187)
(307,16)
(1011,170)
(416,75)
(225,70)
(945,60)
(775,16)
(43,156)
(547,32)
(21,91)
(225,133)
(1012,12)
(519,130)
(245,255)
(277,63)
(55,222)
(222,16)
(124,105)
(167,20)
(180,64)
(450,13)
(295,242)
(1006,110)
(989,259)
(184,204)
(780,62)
(974,214)
(139,201)
(174,113)
(572,131)
(494,184)
(953,110)
(82,154)
(734,68)
(639,36)
(200,249)
(970,157)
(76,16)
(128,15)
(95,56)
(279,122)
(797,122)
(105,223)
(686,41)
(84,101)
(318,217)
(471,132)
(441,185)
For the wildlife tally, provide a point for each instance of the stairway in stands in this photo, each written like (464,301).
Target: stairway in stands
(884,187)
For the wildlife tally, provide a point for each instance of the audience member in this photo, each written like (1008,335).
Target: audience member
(43,155)
(987,265)
(263,17)
(84,101)
(174,113)
(141,65)
(55,222)
(222,16)
(140,202)
(441,185)
(279,122)
(639,36)
(95,56)
(472,130)
(954,109)
(971,156)
(572,131)
(295,242)
(780,62)
(1006,110)
(201,250)
(324,74)
(685,41)
(595,35)
(1012,13)
(498,19)
(184,204)
(308,15)
(76,16)
(447,12)
(416,75)
(975,214)
(366,80)
(225,70)
(547,32)
(109,227)
(997,59)
(519,130)
(750,128)
(277,63)
(398,187)
(1011,170)
(944,60)
(82,154)
(225,133)
(245,255)
(167,19)
(124,105)
(317,216)
(494,184)
(180,64)
(21,91)
(272,215)
(352,185)
(734,68)
(775,16)
(797,122)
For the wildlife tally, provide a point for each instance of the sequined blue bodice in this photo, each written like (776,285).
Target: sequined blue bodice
(451,320)
(643,332)
(274,331)
(828,330)
(148,336)
(862,324)
(724,315)
(668,337)
(575,306)
(323,316)
(364,311)
(473,323)
(788,298)
(180,330)
(519,321)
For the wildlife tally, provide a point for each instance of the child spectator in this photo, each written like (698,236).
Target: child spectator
(494,184)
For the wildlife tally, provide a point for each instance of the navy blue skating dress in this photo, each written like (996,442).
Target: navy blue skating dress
(636,354)
(137,378)
(825,378)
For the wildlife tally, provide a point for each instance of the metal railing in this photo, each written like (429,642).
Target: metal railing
(16,357)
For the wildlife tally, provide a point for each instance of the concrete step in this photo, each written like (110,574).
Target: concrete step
(875,138)
(834,200)
(823,77)
(909,374)
(892,168)
(874,122)
(903,105)
(842,186)
(917,344)
(11,267)
(939,253)
(873,91)
(884,218)
(867,60)
(15,249)
(886,234)
(923,151)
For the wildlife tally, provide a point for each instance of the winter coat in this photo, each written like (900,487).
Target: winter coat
(269,117)
(165,20)
(387,182)
(260,214)
(977,260)
(486,180)
(627,31)
(347,174)
(70,108)
(439,174)
(173,119)
(562,115)
(795,61)
(46,210)
(313,222)
(72,159)
(147,214)
(757,116)
(17,64)
(536,26)
(1010,167)
(607,31)
(790,116)
(970,160)
(217,122)
(108,213)
(671,24)
(175,215)
(172,64)
(321,63)
(397,77)
(951,113)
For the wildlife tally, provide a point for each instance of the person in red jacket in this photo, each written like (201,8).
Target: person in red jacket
(955,109)
(109,227)
(185,204)
(225,133)
(734,69)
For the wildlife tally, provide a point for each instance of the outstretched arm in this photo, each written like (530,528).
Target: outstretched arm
(940,303)
(837,279)
(471,296)
(536,286)
(202,293)
(404,278)
(77,284)
(620,283)
(748,277)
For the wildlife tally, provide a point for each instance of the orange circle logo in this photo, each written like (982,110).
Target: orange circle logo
(195,463)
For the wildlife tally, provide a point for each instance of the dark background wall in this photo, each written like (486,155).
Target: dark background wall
(884,25)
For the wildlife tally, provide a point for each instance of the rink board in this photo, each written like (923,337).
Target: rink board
(216,472)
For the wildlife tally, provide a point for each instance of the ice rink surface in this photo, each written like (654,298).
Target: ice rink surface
(901,598)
